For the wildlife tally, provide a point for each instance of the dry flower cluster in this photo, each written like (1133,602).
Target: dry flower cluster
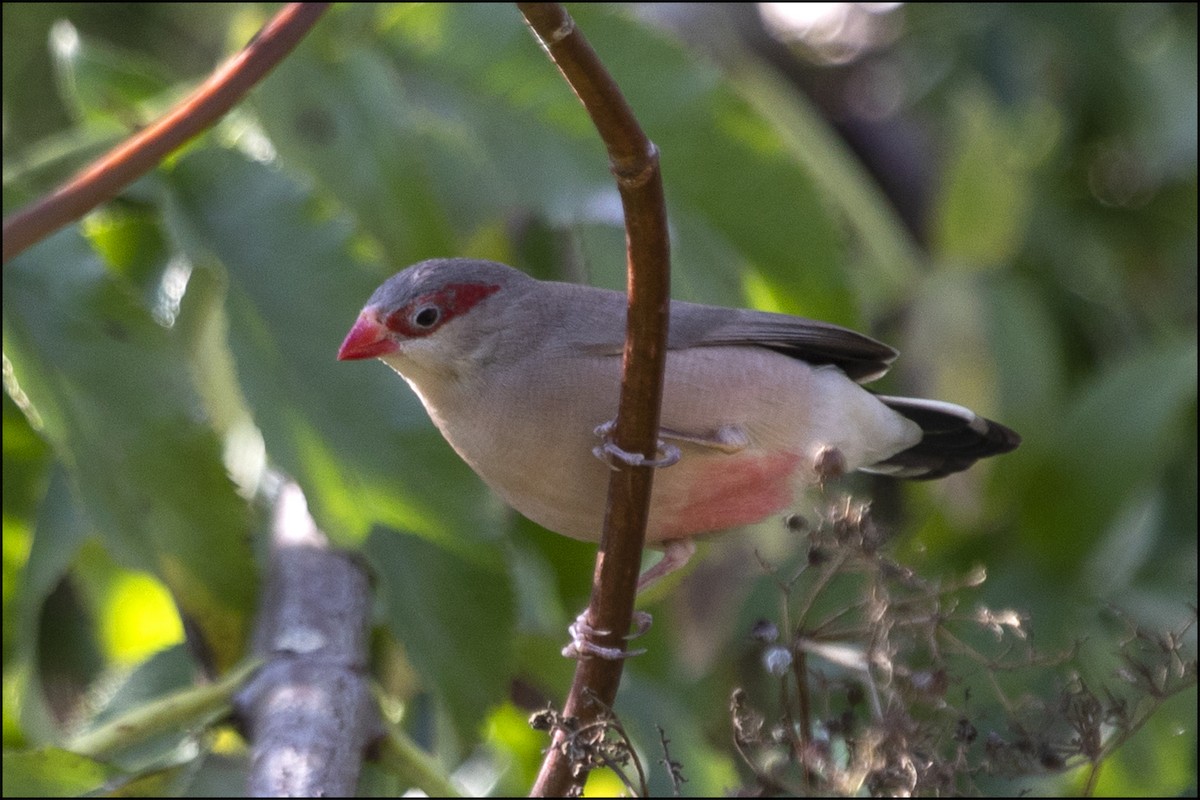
(895,685)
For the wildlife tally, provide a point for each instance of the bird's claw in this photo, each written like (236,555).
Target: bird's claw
(582,633)
(607,451)
(642,621)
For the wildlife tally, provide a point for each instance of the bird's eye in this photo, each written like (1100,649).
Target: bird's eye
(426,316)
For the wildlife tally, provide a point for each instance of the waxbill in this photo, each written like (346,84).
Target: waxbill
(521,375)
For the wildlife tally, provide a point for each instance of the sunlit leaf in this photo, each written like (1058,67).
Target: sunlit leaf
(114,391)
(53,773)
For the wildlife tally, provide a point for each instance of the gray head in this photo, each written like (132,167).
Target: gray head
(435,316)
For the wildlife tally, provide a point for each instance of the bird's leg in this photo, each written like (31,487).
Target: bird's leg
(728,439)
(676,553)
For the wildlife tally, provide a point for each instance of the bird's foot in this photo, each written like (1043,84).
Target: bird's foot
(608,452)
(582,634)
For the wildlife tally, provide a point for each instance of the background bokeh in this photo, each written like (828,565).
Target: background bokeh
(1005,193)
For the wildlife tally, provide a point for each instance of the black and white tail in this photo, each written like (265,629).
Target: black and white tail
(955,438)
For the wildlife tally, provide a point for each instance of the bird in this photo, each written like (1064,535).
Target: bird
(521,376)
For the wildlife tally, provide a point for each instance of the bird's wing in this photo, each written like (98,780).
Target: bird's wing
(593,322)
(862,358)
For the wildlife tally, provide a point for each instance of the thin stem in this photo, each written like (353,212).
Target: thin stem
(634,162)
(181,709)
(104,178)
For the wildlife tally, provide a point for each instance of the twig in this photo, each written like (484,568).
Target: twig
(195,705)
(673,767)
(405,759)
(104,178)
(634,162)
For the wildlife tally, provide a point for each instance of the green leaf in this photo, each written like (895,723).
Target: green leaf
(987,194)
(362,105)
(453,615)
(28,468)
(1116,437)
(53,773)
(61,530)
(98,82)
(114,393)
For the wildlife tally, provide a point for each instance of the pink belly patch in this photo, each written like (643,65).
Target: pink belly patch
(724,493)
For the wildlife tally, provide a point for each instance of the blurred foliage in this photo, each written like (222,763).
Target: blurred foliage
(162,354)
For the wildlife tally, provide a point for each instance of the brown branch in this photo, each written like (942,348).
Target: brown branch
(634,162)
(309,712)
(137,155)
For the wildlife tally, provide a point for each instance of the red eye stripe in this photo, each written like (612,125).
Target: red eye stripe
(451,300)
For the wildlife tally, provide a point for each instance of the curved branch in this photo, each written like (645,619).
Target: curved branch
(634,163)
(137,155)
